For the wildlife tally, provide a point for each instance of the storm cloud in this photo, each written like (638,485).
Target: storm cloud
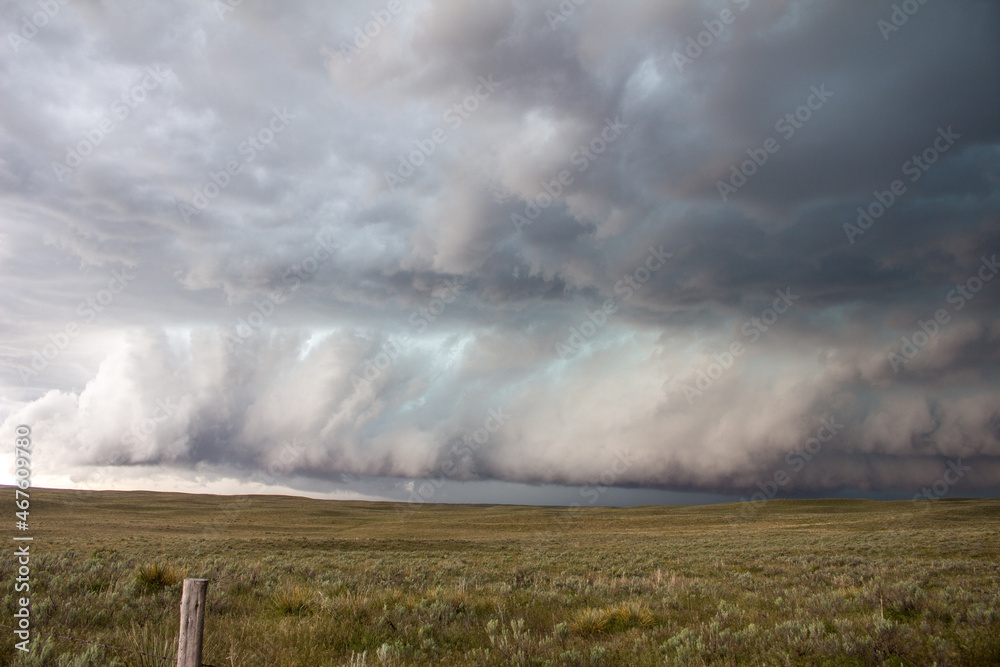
(671,246)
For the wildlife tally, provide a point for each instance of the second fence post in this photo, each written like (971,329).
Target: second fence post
(192,622)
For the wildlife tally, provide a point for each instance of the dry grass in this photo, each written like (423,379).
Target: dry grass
(588,621)
(156,576)
(294,601)
(298,582)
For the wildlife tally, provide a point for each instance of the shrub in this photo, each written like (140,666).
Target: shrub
(611,619)
(156,576)
(589,622)
(292,601)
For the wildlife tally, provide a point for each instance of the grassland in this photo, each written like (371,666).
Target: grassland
(305,582)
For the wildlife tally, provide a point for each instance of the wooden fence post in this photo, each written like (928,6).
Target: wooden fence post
(192,622)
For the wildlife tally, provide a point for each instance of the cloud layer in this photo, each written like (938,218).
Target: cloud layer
(681,246)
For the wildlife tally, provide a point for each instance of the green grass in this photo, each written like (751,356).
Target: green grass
(305,582)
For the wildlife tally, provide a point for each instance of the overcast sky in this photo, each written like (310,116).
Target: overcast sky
(525,250)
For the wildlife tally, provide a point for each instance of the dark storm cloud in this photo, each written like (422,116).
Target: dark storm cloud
(296,186)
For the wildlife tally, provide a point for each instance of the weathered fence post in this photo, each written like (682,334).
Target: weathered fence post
(192,622)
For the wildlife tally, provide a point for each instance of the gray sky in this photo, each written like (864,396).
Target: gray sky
(527,251)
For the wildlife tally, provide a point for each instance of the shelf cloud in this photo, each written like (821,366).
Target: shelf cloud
(726,248)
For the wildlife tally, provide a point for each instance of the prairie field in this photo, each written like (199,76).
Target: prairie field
(304,582)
